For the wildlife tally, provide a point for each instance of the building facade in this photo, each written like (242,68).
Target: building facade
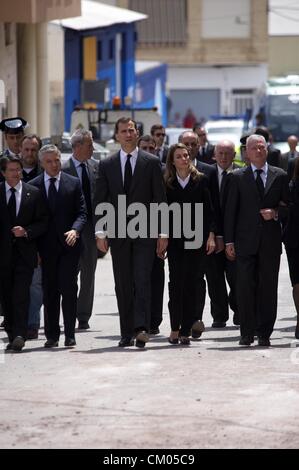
(216,50)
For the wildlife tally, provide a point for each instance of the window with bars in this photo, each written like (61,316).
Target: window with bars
(166,24)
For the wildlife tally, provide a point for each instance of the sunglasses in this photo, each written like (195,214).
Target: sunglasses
(160,134)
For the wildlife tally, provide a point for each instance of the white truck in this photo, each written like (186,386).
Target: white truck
(102,122)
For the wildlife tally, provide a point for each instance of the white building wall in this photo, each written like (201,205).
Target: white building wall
(8,73)
(222,78)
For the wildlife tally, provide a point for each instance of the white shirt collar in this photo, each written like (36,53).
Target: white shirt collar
(76,162)
(47,177)
(264,168)
(124,154)
(18,187)
(221,170)
(183,182)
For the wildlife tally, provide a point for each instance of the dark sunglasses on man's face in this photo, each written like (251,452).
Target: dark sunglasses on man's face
(160,134)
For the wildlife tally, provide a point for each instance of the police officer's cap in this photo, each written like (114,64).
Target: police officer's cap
(13,125)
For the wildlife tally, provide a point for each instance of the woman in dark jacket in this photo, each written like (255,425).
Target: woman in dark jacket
(184,184)
(291,239)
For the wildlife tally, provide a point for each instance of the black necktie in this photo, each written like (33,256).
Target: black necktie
(12,206)
(128,174)
(222,185)
(52,195)
(259,183)
(86,188)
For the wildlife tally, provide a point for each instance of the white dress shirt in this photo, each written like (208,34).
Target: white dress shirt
(264,174)
(47,181)
(77,164)
(183,182)
(18,194)
(123,160)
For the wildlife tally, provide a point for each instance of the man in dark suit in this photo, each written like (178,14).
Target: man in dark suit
(205,150)
(148,144)
(221,266)
(60,246)
(256,204)
(30,146)
(86,169)
(288,158)
(274,155)
(13,129)
(23,218)
(158,134)
(137,175)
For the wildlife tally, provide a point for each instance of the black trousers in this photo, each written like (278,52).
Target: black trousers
(132,267)
(157,290)
(257,282)
(185,268)
(87,266)
(15,281)
(59,272)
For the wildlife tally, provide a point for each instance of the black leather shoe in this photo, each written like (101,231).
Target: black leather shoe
(139,343)
(83,325)
(154,331)
(51,343)
(18,343)
(218,324)
(185,340)
(297,332)
(265,342)
(32,333)
(125,342)
(70,342)
(173,340)
(236,320)
(246,340)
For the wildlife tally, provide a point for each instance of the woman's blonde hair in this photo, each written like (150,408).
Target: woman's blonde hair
(170,172)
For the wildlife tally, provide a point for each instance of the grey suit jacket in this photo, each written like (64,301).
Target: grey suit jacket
(93,169)
(147,183)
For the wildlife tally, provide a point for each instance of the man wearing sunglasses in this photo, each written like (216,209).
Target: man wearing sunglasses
(158,134)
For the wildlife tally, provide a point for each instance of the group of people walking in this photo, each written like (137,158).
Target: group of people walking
(247,212)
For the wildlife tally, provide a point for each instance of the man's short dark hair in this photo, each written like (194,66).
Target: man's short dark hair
(263,131)
(4,161)
(156,127)
(146,138)
(124,120)
(31,137)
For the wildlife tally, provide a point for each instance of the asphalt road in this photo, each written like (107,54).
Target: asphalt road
(213,394)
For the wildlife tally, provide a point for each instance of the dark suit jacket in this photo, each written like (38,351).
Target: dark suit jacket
(243,224)
(291,237)
(273,157)
(196,191)
(291,167)
(93,170)
(165,153)
(27,177)
(210,172)
(208,155)
(70,211)
(219,202)
(147,182)
(32,216)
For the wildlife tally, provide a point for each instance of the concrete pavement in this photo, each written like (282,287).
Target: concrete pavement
(213,394)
